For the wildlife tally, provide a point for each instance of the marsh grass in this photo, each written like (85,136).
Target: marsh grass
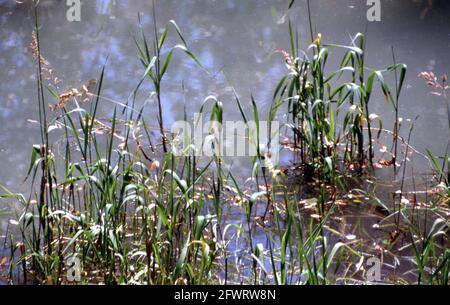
(439,88)
(137,213)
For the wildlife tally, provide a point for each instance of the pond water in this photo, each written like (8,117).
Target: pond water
(234,40)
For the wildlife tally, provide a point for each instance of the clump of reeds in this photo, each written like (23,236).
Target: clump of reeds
(318,102)
(135,214)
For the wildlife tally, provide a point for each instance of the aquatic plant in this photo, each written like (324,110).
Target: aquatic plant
(440,88)
(317,101)
(131,212)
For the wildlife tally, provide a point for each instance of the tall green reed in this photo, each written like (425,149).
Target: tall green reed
(137,216)
(128,217)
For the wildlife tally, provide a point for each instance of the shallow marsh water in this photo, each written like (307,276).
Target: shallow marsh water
(235,41)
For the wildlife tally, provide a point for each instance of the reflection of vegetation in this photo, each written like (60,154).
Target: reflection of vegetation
(138,216)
